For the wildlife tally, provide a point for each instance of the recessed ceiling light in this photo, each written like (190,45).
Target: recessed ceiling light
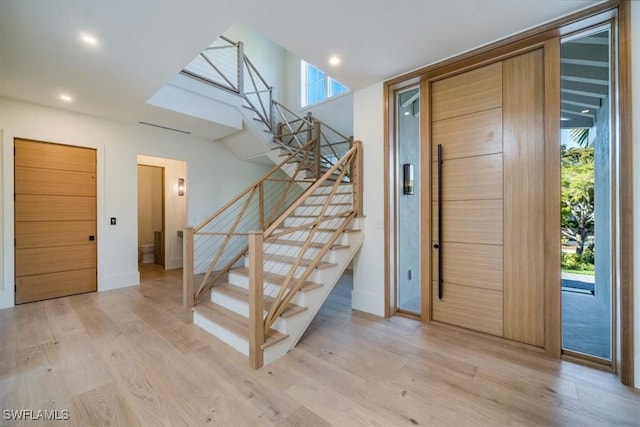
(585,111)
(66,98)
(89,39)
(334,60)
(406,113)
(565,119)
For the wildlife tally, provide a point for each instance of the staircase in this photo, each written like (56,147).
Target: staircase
(258,270)
(225,312)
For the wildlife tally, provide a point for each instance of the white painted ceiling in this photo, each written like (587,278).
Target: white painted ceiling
(142,44)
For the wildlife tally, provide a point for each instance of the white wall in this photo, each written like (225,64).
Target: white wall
(368,266)
(175,207)
(635,76)
(214,176)
(267,56)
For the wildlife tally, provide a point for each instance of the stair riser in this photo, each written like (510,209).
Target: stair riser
(242,308)
(318,236)
(290,250)
(233,304)
(270,289)
(321,198)
(317,210)
(283,268)
(293,323)
(295,221)
(342,188)
(239,343)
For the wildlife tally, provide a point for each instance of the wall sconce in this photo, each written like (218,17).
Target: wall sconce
(180,186)
(407,181)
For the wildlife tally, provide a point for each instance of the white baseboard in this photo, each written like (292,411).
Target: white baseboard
(109,282)
(368,302)
(637,370)
(173,263)
(7,298)
(117,281)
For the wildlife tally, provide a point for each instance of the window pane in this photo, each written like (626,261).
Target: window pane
(318,85)
(336,87)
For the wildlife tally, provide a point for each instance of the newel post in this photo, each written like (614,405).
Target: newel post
(241,68)
(256,300)
(317,152)
(187,273)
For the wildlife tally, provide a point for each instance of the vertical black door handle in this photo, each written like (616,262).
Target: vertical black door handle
(438,246)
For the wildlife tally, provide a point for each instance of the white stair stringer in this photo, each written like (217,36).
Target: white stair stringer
(289,327)
(295,326)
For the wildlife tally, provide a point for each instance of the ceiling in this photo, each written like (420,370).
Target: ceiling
(143,44)
(584,78)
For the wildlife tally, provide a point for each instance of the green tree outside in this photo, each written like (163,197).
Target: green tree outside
(577,206)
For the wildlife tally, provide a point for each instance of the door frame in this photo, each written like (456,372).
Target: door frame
(547,36)
(395,185)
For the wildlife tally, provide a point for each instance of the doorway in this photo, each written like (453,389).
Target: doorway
(151,208)
(602,249)
(173,190)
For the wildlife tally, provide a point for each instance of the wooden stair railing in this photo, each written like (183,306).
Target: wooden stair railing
(262,261)
(217,244)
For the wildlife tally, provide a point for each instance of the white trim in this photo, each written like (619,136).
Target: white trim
(120,280)
(325,101)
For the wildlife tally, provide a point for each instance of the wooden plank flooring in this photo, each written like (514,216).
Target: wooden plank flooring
(125,358)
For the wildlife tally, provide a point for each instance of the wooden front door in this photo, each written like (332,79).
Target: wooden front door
(489,124)
(55,220)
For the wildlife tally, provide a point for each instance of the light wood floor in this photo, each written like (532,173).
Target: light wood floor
(124,357)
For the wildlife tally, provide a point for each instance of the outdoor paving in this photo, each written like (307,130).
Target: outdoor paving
(586,327)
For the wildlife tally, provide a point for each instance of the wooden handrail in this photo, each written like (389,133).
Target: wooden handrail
(291,285)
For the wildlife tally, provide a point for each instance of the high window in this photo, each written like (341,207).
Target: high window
(317,86)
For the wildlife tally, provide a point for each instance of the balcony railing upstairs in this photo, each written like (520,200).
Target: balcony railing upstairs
(224,64)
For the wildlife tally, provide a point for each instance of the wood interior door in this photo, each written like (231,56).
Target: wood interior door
(489,125)
(55,220)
